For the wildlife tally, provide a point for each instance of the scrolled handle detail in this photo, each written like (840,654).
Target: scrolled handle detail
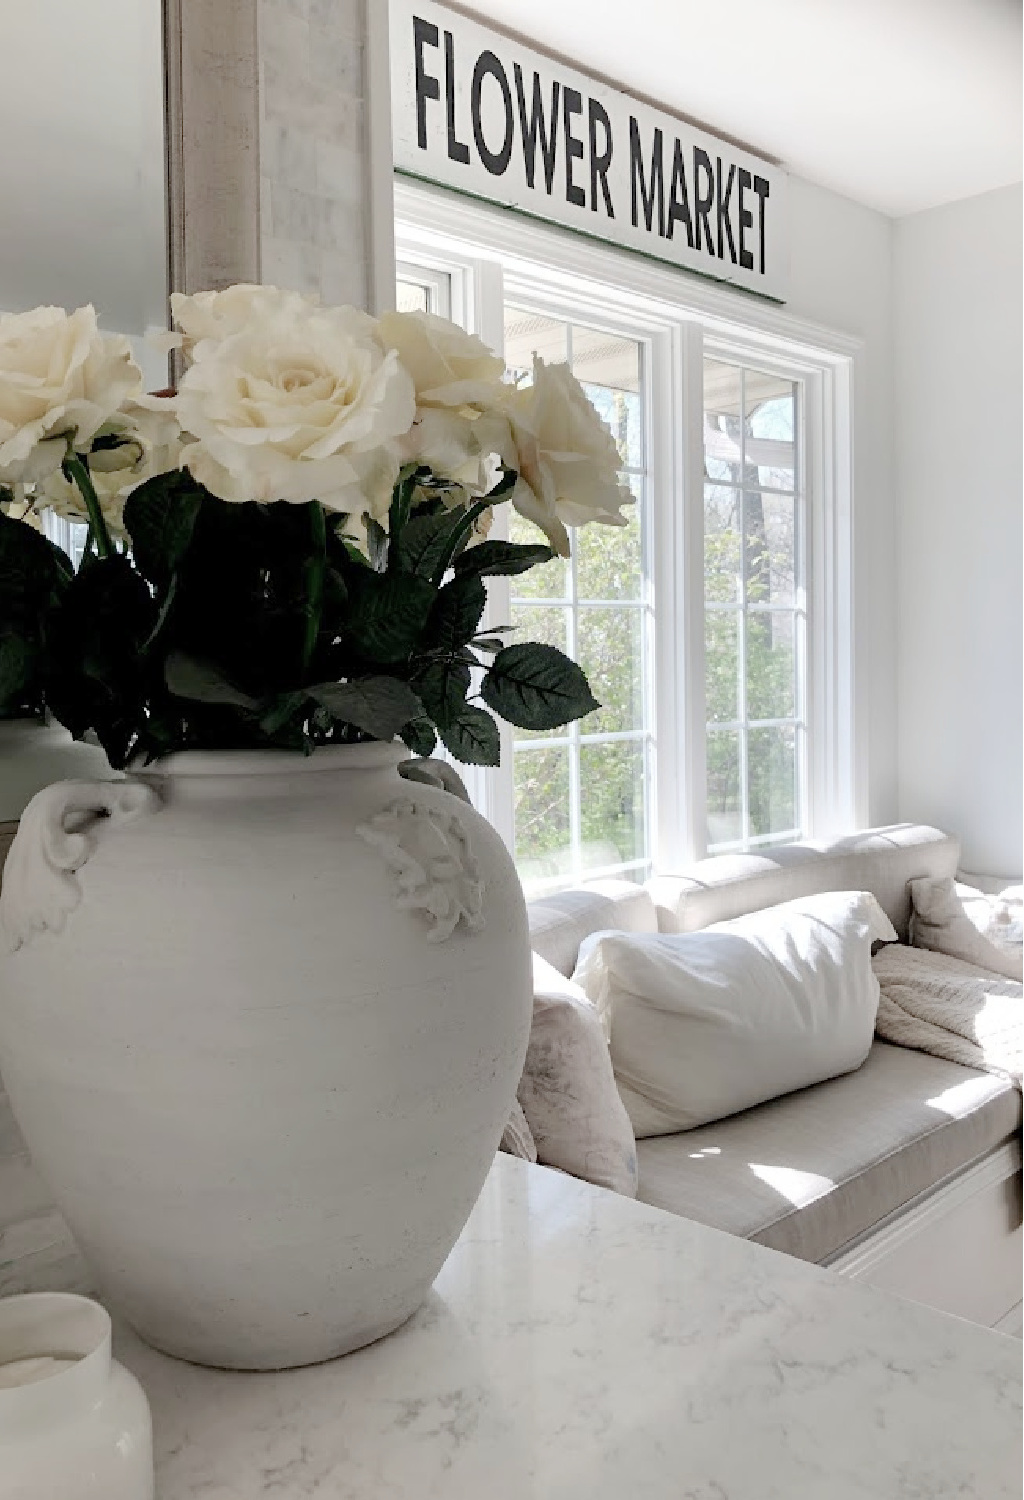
(53,842)
(430,772)
(428,852)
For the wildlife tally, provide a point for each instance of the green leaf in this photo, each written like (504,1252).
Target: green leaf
(32,570)
(420,736)
(200,681)
(473,737)
(455,614)
(377,542)
(389,613)
(504,486)
(379,706)
(492,644)
(160,517)
(537,687)
(424,540)
(443,687)
(18,662)
(501,559)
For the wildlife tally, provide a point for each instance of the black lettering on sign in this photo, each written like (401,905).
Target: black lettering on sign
(572,104)
(678,198)
(647,191)
(535,126)
(427,86)
(496,162)
(722,202)
(457,150)
(746,218)
(762,190)
(702,201)
(601,160)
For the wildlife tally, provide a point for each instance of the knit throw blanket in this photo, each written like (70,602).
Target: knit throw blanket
(952,1009)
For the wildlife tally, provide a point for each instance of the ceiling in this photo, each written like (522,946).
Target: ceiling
(899,104)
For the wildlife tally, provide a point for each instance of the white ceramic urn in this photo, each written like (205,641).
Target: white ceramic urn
(262,1021)
(74,1424)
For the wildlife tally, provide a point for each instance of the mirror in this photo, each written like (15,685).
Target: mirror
(82,168)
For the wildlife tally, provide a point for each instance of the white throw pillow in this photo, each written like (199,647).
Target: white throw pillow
(517,1137)
(964,923)
(568,1091)
(704,1024)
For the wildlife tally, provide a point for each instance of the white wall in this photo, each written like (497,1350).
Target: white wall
(958,310)
(841,276)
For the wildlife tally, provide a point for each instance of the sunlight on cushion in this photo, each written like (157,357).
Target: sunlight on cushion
(963,1098)
(795,1186)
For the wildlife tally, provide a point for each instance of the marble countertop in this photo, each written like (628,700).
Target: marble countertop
(580,1345)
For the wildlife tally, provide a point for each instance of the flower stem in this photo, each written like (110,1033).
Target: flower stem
(77,473)
(316,567)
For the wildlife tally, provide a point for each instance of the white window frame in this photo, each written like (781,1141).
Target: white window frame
(799,609)
(676,315)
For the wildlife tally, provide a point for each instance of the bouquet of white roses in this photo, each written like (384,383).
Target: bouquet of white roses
(289,550)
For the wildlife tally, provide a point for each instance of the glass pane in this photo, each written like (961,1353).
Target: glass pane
(770,540)
(721,666)
(551,579)
(769,429)
(543,842)
(722,399)
(721,543)
(609,559)
(612,804)
(725,809)
(412,296)
(771,768)
(539,623)
(608,367)
(771,666)
(609,649)
(529,333)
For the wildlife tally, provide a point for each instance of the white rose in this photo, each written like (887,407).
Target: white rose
(449,366)
(66,498)
(565,456)
(150,442)
(60,379)
(453,447)
(293,406)
(216,315)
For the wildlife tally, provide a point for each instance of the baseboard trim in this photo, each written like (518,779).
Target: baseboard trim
(876,1244)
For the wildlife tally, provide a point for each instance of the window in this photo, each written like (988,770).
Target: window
(420,288)
(754,608)
(717,628)
(582,793)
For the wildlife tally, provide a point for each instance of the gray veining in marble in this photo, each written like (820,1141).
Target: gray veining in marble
(581,1345)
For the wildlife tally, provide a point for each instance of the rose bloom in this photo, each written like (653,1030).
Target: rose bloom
(215,315)
(565,456)
(449,367)
(150,443)
(60,380)
(301,403)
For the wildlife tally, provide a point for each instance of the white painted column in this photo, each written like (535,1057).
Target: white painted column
(280,147)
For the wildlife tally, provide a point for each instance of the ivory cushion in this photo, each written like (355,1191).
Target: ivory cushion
(965,923)
(705,1024)
(568,1092)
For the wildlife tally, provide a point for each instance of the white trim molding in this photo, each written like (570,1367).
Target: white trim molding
(956,1247)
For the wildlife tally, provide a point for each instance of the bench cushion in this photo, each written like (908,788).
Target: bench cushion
(808,1173)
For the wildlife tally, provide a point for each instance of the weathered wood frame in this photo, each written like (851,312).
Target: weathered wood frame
(212,95)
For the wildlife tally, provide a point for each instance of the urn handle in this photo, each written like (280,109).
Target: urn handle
(54,839)
(435,773)
(429,854)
